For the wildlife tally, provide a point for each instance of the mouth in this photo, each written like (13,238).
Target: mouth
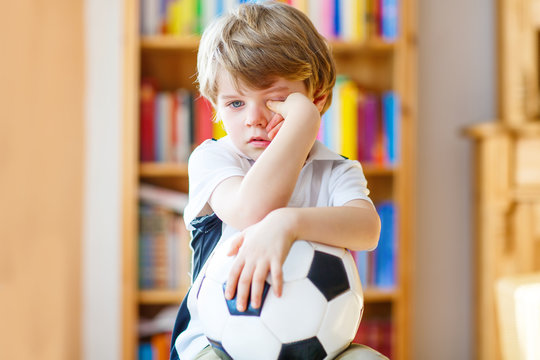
(259,142)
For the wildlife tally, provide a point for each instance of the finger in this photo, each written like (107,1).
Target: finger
(272,133)
(236,244)
(242,290)
(257,285)
(276,106)
(276,119)
(277,277)
(232,280)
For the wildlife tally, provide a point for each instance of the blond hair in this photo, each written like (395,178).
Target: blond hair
(258,42)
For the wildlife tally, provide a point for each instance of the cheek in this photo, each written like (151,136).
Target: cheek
(231,122)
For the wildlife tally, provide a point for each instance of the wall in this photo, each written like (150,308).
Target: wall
(102,266)
(456,87)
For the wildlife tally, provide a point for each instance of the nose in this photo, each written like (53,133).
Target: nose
(258,115)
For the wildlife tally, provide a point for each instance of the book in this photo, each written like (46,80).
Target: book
(377,333)
(183,125)
(385,254)
(389,20)
(146,129)
(369,130)
(391,129)
(349,120)
(149,17)
(144,351)
(203,120)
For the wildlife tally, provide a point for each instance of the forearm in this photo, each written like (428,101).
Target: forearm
(270,183)
(351,227)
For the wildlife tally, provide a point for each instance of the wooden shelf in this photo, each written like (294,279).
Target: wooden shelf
(161,297)
(378,170)
(171,42)
(152,169)
(372,294)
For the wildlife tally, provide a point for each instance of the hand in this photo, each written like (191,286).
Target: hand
(260,248)
(296,106)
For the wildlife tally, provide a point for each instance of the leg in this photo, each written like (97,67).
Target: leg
(360,352)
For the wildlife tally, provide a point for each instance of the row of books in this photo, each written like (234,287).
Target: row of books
(377,333)
(351,20)
(359,125)
(164,255)
(362,125)
(171,122)
(378,268)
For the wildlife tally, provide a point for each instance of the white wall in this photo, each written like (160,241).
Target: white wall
(102,223)
(457,88)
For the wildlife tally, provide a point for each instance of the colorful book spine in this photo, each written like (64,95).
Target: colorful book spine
(370,129)
(391,126)
(389,20)
(349,120)
(385,254)
(203,118)
(146,130)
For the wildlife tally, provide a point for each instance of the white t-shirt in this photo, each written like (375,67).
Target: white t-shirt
(327,179)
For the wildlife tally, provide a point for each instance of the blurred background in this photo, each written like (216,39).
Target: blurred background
(69,74)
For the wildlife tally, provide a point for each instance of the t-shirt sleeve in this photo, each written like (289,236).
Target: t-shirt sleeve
(348,183)
(208,166)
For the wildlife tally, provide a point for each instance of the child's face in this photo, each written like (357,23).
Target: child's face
(245,115)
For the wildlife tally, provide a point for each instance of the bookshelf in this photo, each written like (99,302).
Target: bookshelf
(507,170)
(374,63)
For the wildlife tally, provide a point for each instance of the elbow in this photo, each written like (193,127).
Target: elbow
(246,216)
(370,234)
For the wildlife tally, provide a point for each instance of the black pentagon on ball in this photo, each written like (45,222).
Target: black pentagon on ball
(309,349)
(250,311)
(219,350)
(328,274)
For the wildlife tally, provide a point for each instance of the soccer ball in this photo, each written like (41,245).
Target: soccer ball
(316,317)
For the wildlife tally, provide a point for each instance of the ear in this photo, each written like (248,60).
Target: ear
(320,101)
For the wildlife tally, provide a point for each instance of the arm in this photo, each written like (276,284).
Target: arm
(269,184)
(264,246)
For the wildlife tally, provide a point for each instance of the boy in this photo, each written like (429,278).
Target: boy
(269,75)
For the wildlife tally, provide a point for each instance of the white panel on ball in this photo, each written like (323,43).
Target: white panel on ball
(219,264)
(298,261)
(297,314)
(246,338)
(340,322)
(215,314)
